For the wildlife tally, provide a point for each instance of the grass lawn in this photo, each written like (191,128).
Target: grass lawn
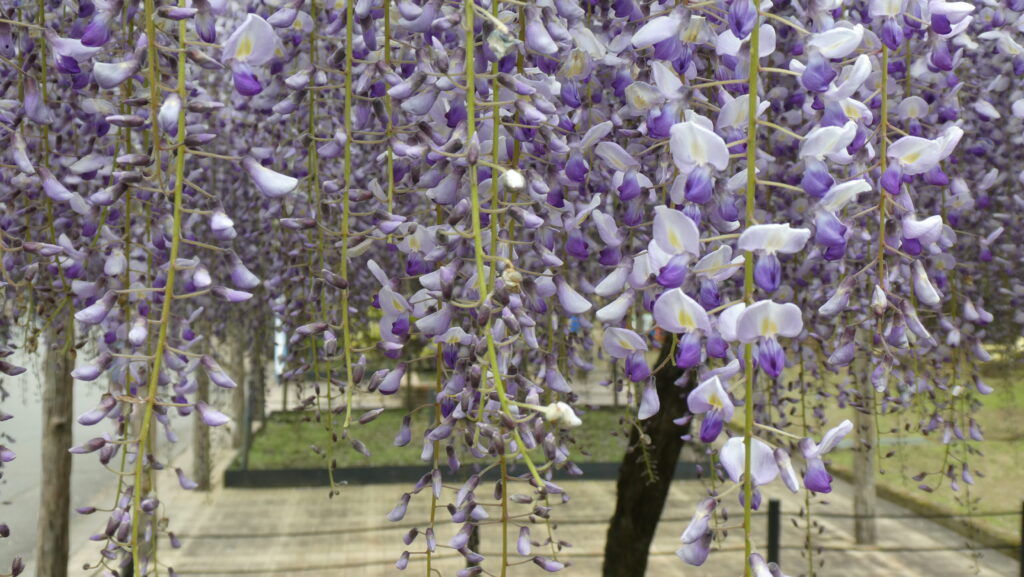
(998,483)
(287,439)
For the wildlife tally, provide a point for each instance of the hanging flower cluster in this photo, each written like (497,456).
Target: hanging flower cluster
(502,193)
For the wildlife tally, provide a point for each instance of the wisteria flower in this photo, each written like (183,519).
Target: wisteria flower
(677,313)
(676,242)
(763,468)
(817,478)
(711,399)
(767,241)
(763,322)
(696,539)
(913,155)
(254,43)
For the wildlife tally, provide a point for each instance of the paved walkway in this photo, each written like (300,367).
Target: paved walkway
(300,532)
(274,532)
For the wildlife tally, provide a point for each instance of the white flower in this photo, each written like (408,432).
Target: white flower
(514,180)
(560,414)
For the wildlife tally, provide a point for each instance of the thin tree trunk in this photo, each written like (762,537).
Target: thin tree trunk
(259,370)
(238,346)
(201,467)
(639,499)
(58,412)
(864,496)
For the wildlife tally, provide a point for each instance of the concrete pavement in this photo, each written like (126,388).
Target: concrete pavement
(259,533)
(273,532)
(91,483)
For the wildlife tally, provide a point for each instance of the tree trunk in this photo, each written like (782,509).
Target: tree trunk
(201,467)
(864,496)
(259,373)
(58,412)
(238,346)
(640,499)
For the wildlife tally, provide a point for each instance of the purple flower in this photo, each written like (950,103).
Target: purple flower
(216,373)
(817,478)
(398,513)
(392,380)
(212,417)
(107,404)
(637,369)
(764,469)
(183,481)
(818,75)
(650,404)
(549,565)
(742,17)
(251,44)
(710,399)
(92,371)
(768,240)
(696,538)
(676,312)
(270,183)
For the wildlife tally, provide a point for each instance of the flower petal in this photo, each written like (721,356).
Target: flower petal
(694,144)
(254,42)
(762,461)
(838,42)
(272,184)
(619,342)
(774,238)
(674,232)
(768,318)
(658,29)
(676,312)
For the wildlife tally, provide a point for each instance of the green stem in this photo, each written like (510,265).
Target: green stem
(165,314)
(346,338)
(478,242)
(748,295)
(390,110)
(884,162)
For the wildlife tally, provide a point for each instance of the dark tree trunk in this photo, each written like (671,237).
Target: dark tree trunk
(58,411)
(640,499)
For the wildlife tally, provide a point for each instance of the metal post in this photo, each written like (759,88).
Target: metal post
(774,529)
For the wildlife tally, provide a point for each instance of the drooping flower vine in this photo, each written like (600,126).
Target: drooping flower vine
(779,193)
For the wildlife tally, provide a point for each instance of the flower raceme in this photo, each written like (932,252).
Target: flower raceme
(465,188)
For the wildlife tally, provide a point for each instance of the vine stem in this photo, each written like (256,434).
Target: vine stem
(314,191)
(346,211)
(165,314)
(884,162)
(883,130)
(748,293)
(390,130)
(496,158)
(438,372)
(478,242)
